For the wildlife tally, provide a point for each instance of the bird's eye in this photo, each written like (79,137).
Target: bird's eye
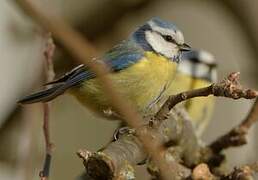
(169,38)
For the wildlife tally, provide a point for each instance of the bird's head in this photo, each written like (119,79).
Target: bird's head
(161,37)
(199,64)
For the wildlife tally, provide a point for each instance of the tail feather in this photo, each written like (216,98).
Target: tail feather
(71,79)
(42,96)
(74,72)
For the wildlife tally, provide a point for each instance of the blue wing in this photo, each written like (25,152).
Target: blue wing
(118,58)
(123,55)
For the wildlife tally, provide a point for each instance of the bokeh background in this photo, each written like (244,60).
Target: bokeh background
(228,29)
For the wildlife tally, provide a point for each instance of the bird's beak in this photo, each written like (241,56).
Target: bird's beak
(184,47)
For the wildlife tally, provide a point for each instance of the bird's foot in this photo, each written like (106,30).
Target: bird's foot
(121,131)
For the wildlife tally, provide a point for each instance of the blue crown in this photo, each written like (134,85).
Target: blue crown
(164,24)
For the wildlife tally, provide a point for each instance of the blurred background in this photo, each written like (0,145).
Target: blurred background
(228,29)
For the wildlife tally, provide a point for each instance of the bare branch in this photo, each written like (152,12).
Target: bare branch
(128,150)
(235,137)
(229,87)
(50,74)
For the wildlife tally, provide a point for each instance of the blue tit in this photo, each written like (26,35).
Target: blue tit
(196,70)
(142,68)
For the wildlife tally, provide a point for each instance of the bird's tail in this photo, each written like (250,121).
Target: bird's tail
(59,86)
(43,96)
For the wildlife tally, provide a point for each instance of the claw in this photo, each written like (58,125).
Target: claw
(122,131)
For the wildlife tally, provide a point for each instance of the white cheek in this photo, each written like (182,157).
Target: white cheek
(161,46)
(179,37)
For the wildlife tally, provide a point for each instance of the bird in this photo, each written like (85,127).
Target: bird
(197,69)
(141,67)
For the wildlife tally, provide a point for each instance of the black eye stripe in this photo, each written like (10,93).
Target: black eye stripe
(169,38)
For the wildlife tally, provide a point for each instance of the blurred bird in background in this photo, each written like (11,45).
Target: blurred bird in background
(196,70)
(142,69)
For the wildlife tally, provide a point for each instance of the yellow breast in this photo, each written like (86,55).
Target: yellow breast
(142,84)
(181,83)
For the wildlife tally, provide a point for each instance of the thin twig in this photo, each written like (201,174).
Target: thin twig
(236,136)
(50,74)
(229,87)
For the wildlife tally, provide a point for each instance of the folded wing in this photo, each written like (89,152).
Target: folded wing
(118,58)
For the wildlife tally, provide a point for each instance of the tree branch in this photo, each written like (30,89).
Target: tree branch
(229,87)
(50,74)
(128,150)
(235,137)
